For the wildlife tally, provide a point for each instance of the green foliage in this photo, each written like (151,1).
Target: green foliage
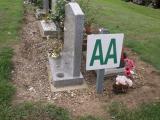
(39,3)
(60,11)
(89,13)
(144,112)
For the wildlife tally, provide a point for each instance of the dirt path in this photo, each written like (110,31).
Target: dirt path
(30,76)
(30,71)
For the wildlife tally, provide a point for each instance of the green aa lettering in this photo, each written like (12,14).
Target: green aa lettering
(98,47)
(113,56)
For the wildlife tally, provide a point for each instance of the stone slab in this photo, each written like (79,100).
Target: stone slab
(66,88)
(61,74)
(73,35)
(48,29)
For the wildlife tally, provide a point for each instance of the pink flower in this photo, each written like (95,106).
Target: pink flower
(129,66)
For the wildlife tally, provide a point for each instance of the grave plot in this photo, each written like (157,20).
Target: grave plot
(30,76)
(65,70)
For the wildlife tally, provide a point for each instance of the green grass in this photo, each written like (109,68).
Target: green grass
(6,89)
(141,26)
(144,112)
(11,13)
(33,111)
(89,118)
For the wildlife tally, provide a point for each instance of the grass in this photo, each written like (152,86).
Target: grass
(11,13)
(34,111)
(144,112)
(89,118)
(139,24)
(6,89)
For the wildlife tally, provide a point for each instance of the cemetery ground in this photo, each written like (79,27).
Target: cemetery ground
(30,76)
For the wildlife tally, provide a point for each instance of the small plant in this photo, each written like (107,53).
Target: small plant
(48,17)
(60,12)
(39,3)
(89,14)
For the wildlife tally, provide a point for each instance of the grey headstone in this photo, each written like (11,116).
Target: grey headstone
(73,35)
(46,6)
(66,69)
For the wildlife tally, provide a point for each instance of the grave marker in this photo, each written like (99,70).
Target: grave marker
(46,6)
(65,70)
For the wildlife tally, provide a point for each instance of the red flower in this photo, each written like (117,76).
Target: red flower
(129,66)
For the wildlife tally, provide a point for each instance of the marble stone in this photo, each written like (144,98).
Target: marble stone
(48,29)
(65,70)
(46,6)
(73,36)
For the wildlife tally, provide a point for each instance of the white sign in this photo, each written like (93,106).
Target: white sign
(104,51)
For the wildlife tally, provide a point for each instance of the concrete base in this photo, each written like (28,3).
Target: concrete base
(67,88)
(61,74)
(48,29)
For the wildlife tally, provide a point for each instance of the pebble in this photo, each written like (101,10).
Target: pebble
(72,94)
(31,89)
(54,98)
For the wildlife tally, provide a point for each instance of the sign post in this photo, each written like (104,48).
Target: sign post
(99,81)
(103,51)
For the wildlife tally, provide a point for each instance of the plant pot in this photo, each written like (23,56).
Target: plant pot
(88,29)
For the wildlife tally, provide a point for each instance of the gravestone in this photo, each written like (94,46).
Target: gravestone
(65,70)
(48,29)
(46,6)
(40,13)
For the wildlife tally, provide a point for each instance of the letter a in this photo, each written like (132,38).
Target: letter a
(98,47)
(113,56)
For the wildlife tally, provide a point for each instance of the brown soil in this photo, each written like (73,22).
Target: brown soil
(30,76)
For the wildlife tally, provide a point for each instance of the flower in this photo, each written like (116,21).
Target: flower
(129,67)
